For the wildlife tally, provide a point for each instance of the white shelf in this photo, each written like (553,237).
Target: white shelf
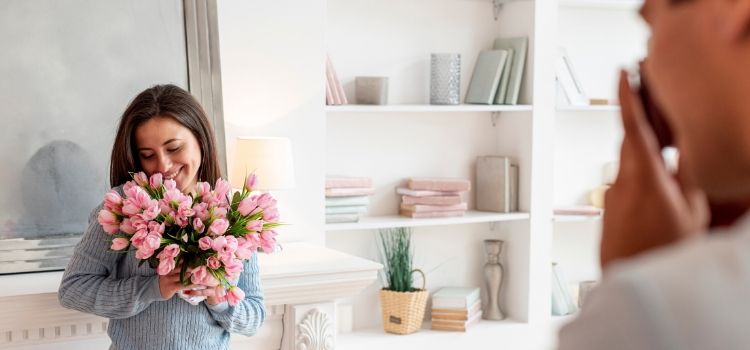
(603,4)
(506,334)
(390,221)
(577,218)
(427,108)
(601,108)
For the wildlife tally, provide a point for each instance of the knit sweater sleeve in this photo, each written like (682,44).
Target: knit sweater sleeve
(89,284)
(249,314)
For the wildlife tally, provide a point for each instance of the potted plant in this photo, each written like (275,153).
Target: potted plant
(402,306)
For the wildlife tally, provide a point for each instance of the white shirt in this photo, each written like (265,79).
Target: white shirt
(693,295)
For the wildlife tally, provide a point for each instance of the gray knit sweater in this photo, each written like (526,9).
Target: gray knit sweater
(112,285)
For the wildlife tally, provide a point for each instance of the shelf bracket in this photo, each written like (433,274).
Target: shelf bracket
(494,118)
(497,5)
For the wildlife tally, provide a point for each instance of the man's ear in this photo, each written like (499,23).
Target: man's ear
(737,25)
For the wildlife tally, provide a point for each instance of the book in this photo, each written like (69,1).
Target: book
(339,97)
(497,184)
(459,326)
(426,193)
(585,210)
(420,208)
(341,218)
(457,314)
(431,214)
(438,184)
(431,200)
(348,209)
(455,298)
(486,77)
(502,89)
(562,301)
(348,182)
(349,192)
(568,80)
(519,46)
(346,201)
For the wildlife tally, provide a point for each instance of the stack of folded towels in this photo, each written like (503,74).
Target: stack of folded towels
(347,198)
(423,197)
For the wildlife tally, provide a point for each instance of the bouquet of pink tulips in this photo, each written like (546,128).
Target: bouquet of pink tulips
(207,234)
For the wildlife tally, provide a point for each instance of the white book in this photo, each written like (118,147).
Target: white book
(569,81)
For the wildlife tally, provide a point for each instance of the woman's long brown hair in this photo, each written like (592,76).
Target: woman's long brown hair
(166,101)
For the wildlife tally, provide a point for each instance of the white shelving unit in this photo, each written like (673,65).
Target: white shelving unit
(426,108)
(390,221)
(630,5)
(576,218)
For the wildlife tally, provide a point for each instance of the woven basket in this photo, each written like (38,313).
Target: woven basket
(403,311)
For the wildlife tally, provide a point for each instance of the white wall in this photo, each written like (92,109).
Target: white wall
(272,62)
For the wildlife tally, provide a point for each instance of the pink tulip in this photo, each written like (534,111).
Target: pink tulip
(171,251)
(127,226)
(156,180)
(210,281)
(144,253)
(205,243)
(222,188)
(218,227)
(266,201)
(141,179)
(247,205)
(109,221)
(233,268)
(170,184)
(166,266)
(119,243)
(203,188)
(156,227)
(254,226)
(271,215)
(113,201)
(250,182)
(201,211)
(198,275)
(213,263)
(235,295)
(268,240)
(244,249)
(198,225)
(152,241)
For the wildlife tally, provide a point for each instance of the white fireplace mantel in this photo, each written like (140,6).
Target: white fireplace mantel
(300,283)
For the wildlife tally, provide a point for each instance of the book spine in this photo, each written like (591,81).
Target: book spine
(432,214)
(431,200)
(348,192)
(422,208)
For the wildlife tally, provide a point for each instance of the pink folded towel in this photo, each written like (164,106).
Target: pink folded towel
(347,192)
(422,193)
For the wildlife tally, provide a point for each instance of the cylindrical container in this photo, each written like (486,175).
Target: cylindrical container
(445,78)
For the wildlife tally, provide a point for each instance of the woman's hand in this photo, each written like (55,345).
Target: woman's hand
(647,207)
(170,284)
(214,295)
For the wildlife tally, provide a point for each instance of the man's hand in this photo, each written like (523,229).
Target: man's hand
(647,207)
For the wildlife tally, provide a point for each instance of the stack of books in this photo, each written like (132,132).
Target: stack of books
(347,198)
(433,197)
(455,308)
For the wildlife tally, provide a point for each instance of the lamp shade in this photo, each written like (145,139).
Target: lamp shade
(270,158)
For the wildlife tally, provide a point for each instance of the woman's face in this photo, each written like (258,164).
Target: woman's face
(165,146)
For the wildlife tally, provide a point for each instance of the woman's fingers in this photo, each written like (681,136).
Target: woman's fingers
(640,151)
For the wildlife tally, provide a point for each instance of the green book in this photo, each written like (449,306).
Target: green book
(486,77)
(455,298)
(502,90)
(519,46)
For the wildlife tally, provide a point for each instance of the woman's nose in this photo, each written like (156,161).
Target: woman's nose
(164,164)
